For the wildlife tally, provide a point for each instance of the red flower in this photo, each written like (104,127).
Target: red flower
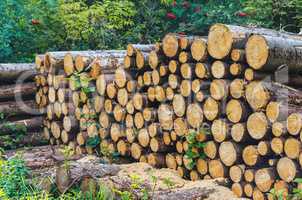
(186,4)
(35,22)
(241,14)
(197,9)
(171,16)
(181,33)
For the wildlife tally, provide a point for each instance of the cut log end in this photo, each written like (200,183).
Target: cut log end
(294,123)
(257,125)
(219,130)
(170,45)
(250,155)
(286,169)
(257,51)
(211,109)
(220,40)
(228,153)
(199,50)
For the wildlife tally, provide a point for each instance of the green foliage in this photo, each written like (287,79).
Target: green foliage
(82,82)
(297,192)
(281,15)
(195,149)
(20,35)
(15,185)
(35,26)
(168,182)
(13,174)
(93,141)
(278,195)
(195,17)
(18,133)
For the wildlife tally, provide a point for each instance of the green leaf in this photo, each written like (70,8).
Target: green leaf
(93,141)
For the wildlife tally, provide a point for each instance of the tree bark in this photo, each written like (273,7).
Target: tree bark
(28,139)
(132,48)
(9,73)
(274,53)
(31,124)
(223,38)
(259,93)
(23,91)
(28,107)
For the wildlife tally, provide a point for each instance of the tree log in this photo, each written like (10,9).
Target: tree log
(211,149)
(220,130)
(211,109)
(28,139)
(294,123)
(279,129)
(156,160)
(236,69)
(229,153)
(259,93)
(251,156)
(219,89)
(194,115)
(9,73)
(220,70)
(102,81)
(23,91)
(223,38)
(238,55)
(165,116)
(277,145)
(264,179)
(28,107)
(292,148)
(239,133)
(268,53)
(237,111)
(31,124)
(236,173)
(217,169)
(287,169)
(199,49)
(257,125)
(133,48)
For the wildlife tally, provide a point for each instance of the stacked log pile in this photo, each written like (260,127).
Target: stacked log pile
(208,107)
(20,122)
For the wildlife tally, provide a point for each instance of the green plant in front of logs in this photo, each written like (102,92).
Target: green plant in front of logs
(195,149)
(14,182)
(297,192)
(18,131)
(93,141)
(67,152)
(82,82)
(278,195)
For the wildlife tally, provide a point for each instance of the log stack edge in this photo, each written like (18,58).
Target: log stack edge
(207,106)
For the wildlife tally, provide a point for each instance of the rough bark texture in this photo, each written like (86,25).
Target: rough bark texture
(28,124)
(222,38)
(274,53)
(9,73)
(23,91)
(19,108)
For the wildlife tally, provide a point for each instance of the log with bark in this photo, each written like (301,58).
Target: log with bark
(31,124)
(21,139)
(10,73)
(23,91)
(28,107)
(223,38)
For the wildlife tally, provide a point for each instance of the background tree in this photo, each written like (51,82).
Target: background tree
(34,26)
